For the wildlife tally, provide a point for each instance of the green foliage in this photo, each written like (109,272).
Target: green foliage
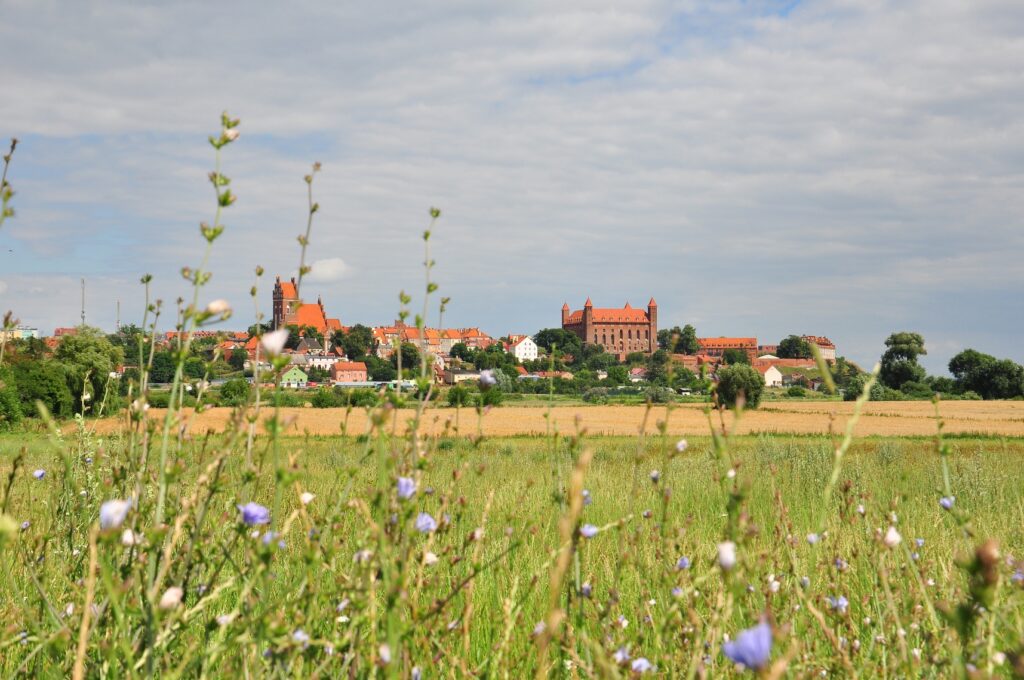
(659,395)
(458,395)
(794,347)
(899,362)
(733,356)
(855,386)
(796,391)
(987,376)
(194,368)
(234,392)
(45,381)
(740,379)
(163,368)
(356,343)
(410,357)
(238,359)
(10,405)
(677,340)
(596,395)
(564,341)
(88,359)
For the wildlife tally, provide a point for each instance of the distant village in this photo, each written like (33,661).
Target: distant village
(318,355)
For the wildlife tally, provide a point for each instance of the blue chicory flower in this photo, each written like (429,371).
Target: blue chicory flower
(919,542)
(425,524)
(113,513)
(621,655)
(406,487)
(752,647)
(487,378)
(641,665)
(947,502)
(683,563)
(587,500)
(588,531)
(39,474)
(254,513)
(839,604)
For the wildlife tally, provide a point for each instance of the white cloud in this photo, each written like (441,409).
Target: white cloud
(329,270)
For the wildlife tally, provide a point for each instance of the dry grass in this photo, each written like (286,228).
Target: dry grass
(1002,418)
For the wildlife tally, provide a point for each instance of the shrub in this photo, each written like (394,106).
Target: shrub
(596,395)
(234,392)
(458,396)
(659,395)
(740,379)
(796,391)
(325,397)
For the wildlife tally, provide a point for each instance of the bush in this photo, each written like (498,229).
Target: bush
(234,392)
(491,397)
(325,397)
(10,408)
(740,379)
(458,396)
(596,395)
(659,395)
(796,391)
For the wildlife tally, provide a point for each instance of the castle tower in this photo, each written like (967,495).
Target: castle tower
(588,321)
(652,315)
(565,313)
(285,301)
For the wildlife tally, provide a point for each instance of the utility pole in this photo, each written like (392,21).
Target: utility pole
(83,302)
(118,321)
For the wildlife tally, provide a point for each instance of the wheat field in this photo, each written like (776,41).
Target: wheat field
(910,418)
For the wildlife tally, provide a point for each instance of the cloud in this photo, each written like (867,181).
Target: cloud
(329,270)
(765,167)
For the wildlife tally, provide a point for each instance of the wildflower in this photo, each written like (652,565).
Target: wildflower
(805,582)
(129,538)
(588,531)
(773,583)
(727,555)
(731,473)
(641,665)
(301,637)
(171,597)
(677,592)
(273,342)
(112,375)
(752,647)
(487,378)
(384,652)
(586,590)
(539,628)
(86,397)
(113,513)
(682,445)
(1018,576)
(947,502)
(999,658)
(425,524)
(915,556)
(39,474)
(362,556)
(417,674)
(254,513)
(655,476)
(683,563)
(861,509)
(429,559)
(621,655)
(587,500)
(306,497)
(892,537)
(406,487)
(225,619)
(647,514)
(25,525)
(838,604)
(813,538)
(231,134)
(840,564)
(219,308)
(919,542)
(622,622)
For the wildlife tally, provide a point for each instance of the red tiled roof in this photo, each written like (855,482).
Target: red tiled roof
(726,343)
(349,366)
(288,289)
(627,314)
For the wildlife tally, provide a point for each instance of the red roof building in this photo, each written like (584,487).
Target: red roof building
(619,331)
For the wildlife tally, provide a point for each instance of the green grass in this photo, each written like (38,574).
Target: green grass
(520,485)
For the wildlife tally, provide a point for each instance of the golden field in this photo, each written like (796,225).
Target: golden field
(914,418)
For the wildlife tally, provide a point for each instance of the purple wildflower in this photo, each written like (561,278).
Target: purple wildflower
(39,474)
(919,542)
(587,500)
(752,647)
(113,513)
(301,637)
(1018,576)
(487,378)
(621,655)
(838,604)
(586,590)
(406,487)
(25,525)
(254,513)
(588,531)
(425,524)
(947,502)
(641,665)
(655,476)
(683,563)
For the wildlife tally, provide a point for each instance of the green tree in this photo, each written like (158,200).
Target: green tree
(45,381)
(357,342)
(163,367)
(194,368)
(461,351)
(10,405)
(618,375)
(410,357)
(88,358)
(564,341)
(739,379)
(379,369)
(990,377)
(735,356)
(657,368)
(687,342)
(234,392)
(238,359)
(794,347)
(899,362)
(458,396)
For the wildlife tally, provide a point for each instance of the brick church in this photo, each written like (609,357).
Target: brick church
(290,311)
(619,331)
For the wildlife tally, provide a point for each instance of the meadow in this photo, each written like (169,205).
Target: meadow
(555,556)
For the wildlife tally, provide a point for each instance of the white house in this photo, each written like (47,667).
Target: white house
(522,347)
(772,376)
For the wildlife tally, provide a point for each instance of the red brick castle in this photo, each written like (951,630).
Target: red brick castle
(619,331)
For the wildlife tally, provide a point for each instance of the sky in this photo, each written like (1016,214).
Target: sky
(765,167)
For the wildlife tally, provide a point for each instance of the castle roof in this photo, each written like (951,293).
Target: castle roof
(627,314)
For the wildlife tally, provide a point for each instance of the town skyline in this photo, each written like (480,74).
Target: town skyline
(761,168)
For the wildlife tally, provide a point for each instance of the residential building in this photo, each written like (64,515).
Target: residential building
(454,376)
(619,331)
(294,377)
(18,333)
(825,346)
(348,372)
(522,347)
(772,376)
(716,347)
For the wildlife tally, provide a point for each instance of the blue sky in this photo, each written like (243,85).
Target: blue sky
(838,168)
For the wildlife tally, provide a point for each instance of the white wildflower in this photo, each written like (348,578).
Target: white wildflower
(171,597)
(727,555)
